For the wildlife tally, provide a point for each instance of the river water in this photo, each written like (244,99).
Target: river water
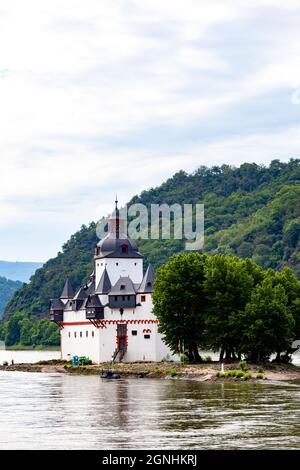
(57,411)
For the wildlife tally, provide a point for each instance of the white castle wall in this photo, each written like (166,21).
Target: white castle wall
(116,267)
(101,346)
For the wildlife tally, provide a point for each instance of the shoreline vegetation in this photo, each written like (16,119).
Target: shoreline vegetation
(38,347)
(204,372)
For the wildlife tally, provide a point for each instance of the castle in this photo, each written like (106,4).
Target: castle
(110,318)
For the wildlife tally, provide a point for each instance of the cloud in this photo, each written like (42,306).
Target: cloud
(103,97)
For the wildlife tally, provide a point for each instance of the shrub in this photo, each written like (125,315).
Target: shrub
(172,373)
(244,365)
(84,361)
(260,370)
(5,363)
(184,358)
(220,374)
(247,376)
(259,376)
(207,359)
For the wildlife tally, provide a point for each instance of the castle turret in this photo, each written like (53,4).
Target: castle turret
(117,253)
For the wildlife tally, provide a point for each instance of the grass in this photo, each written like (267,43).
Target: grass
(38,347)
(239,374)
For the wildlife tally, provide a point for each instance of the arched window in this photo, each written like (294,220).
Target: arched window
(124,248)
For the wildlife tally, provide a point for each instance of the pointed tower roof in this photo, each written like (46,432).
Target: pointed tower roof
(67,292)
(148,280)
(93,301)
(104,285)
(81,294)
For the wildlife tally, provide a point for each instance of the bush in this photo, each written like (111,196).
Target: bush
(207,359)
(260,370)
(5,363)
(247,376)
(184,358)
(172,373)
(259,376)
(220,374)
(244,365)
(84,361)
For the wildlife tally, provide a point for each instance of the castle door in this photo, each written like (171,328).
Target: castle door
(122,336)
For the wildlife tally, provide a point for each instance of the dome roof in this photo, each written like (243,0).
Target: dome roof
(112,247)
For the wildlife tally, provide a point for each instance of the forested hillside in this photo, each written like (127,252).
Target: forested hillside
(251,211)
(7,290)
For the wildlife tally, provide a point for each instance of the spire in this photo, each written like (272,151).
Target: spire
(148,280)
(117,216)
(67,292)
(104,285)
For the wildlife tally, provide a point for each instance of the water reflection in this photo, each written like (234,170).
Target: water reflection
(44,411)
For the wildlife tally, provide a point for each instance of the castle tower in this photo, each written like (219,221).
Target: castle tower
(118,254)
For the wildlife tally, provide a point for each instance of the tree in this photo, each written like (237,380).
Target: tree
(267,322)
(26,332)
(180,303)
(228,286)
(13,328)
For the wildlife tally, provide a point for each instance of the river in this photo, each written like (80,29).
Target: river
(57,411)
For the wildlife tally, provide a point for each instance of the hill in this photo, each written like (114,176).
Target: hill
(251,211)
(18,270)
(7,290)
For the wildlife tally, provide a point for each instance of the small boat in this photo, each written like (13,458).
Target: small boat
(109,374)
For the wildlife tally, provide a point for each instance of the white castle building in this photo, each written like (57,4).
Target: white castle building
(110,318)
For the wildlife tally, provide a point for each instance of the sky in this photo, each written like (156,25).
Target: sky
(114,96)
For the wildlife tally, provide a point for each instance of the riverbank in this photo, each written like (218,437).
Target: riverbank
(39,347)
(208,372)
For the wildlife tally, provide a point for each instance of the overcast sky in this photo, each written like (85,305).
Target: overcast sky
(106,96)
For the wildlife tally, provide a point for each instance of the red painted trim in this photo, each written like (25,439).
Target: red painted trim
(114,322)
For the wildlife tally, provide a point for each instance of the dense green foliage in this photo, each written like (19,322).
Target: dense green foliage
(225,303)
(180,301)
(251,211)
(7,290)
(22,330)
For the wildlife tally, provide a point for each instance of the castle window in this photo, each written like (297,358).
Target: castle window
(92,334)
(149,284)
(123,297)
(128,297)
(69,334)
(117,264)
(134,264)
(147,336)
(87,334)
(116,297)
(80,334)
(143,298)
(124,249)
(75,334)
(134,332)
(122,287)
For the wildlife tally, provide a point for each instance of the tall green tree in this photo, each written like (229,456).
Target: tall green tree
(229,282)
(13,328)
(268,325)
(180,303)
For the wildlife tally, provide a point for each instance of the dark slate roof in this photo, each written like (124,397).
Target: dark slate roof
(148,280)
(124,286)
(81,294)
(90,288)
(112,247)
(104,285)
(67,292)
(56,304)
(93,301)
